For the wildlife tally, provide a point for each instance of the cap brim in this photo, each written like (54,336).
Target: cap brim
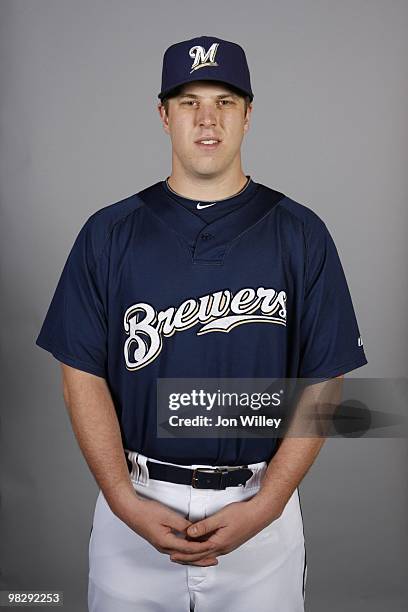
(168,92)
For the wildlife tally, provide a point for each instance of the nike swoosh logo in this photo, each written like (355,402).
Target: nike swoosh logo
(200,206)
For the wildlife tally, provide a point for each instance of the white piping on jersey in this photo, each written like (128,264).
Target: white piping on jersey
(249,180)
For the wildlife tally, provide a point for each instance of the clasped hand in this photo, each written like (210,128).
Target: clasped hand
(200,543)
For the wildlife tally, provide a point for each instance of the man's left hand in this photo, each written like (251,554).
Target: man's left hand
(228,528)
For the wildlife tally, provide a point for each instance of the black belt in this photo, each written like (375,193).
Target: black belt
(201,477)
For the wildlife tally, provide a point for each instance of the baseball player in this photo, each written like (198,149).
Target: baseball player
(205,274)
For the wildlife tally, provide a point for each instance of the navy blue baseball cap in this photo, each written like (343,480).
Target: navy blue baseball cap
(205,58)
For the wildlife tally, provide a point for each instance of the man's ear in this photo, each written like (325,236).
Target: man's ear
(247,117)
(163,116)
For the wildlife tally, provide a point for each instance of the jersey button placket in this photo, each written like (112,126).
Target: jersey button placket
(205,247)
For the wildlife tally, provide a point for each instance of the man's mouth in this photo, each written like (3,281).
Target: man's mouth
(208,144)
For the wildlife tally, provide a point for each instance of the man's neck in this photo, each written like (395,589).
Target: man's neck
(207,189)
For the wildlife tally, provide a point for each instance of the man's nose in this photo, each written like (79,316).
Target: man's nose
(207,115)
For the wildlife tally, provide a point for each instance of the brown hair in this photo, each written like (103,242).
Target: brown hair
(175,92)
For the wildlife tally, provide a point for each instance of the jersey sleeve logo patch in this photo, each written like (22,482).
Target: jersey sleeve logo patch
(217,312)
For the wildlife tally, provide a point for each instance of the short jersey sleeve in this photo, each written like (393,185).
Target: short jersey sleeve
(330,340)
(75,326)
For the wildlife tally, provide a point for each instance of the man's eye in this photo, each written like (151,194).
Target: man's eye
(223,102)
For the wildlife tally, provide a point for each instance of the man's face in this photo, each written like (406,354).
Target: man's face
(206,111)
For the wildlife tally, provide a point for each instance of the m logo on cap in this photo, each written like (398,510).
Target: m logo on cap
(201,58)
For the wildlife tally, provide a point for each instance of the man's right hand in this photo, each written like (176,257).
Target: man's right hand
(95,423)
(163,527)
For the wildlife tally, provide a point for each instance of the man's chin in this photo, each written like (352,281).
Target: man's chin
(207,170)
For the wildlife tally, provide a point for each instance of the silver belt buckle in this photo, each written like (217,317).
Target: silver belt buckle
(194,478)
(221,470)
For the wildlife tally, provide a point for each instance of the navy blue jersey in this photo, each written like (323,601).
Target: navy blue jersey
(154,288)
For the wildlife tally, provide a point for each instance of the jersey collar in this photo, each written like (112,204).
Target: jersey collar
(209,242)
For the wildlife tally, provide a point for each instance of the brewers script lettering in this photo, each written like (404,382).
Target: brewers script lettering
(219,312)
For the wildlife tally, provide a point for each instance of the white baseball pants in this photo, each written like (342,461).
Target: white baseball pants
(127,574)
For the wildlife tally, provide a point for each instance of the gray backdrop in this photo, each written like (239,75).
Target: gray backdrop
(80,130)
